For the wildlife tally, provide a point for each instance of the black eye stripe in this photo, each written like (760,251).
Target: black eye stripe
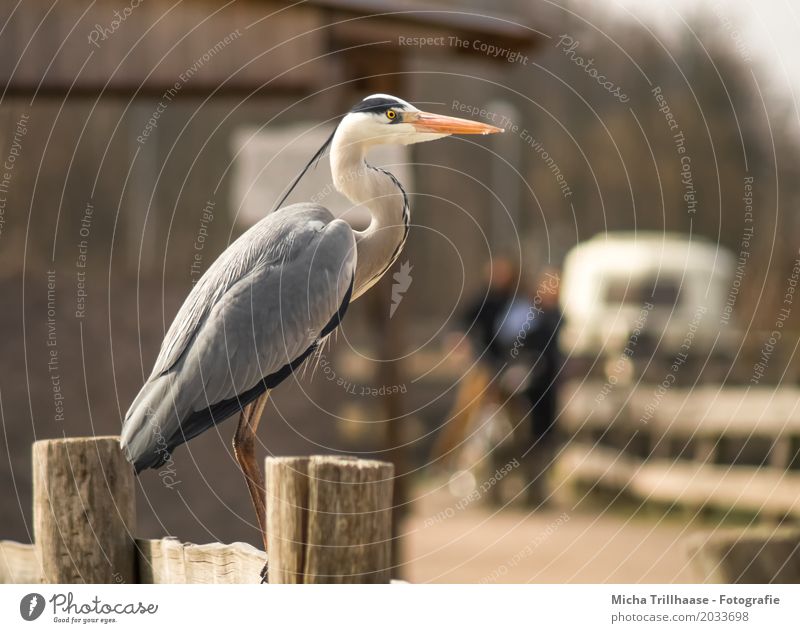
(376,104)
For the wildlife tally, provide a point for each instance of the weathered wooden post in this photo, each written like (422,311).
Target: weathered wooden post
(329,520)
(754,555)
(83,510)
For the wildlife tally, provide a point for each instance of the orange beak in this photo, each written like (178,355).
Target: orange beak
(440,124)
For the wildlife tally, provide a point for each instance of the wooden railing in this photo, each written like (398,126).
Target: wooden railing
(706,447)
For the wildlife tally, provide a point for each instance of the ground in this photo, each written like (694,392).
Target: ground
(556,545)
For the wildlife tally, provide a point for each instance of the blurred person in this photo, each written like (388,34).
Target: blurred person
(512,344)
(487,314)
(476,346)
(540,346)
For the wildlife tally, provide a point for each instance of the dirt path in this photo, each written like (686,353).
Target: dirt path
(476,544)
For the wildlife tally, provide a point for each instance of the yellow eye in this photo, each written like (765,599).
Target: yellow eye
(391,114)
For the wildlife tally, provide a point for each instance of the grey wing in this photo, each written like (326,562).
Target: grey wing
(253,248)
(273,315)
(261,307)
(271,241)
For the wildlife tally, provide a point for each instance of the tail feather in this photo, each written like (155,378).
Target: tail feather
(151,422)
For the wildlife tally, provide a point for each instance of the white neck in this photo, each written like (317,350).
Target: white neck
(380,243)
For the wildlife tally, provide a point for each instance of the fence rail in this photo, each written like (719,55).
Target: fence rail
(707,447)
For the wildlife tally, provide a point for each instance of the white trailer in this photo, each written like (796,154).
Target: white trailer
(622,289)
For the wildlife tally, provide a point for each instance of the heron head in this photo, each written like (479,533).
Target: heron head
(384,119)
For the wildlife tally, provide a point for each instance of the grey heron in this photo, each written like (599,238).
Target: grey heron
(273,296)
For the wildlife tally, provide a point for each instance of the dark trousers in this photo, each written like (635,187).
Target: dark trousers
(542,398)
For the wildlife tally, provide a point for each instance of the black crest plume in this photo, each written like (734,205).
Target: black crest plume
(313,162)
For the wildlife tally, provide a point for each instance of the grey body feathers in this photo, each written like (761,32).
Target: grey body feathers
(257,313)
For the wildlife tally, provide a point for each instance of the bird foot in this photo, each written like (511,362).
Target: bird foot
(265,574)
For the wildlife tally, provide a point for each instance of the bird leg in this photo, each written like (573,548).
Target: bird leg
(244,448)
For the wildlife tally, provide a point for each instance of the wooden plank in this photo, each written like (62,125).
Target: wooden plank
(331,523)
(443,18)
(202,46)
(731,411)
(18,564)
(708,412)
(83,510)
(168,561)
(747,488)
(190,44)
(159,561)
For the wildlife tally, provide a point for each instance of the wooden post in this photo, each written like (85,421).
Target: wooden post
(759,555)
(287,516)
(329,520)
(780,454)
(83,510)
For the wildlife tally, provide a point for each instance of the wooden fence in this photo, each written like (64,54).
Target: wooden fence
(731,449)
(329,520)
(706,447)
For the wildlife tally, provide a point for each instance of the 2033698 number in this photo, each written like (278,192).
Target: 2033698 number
(723,616)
